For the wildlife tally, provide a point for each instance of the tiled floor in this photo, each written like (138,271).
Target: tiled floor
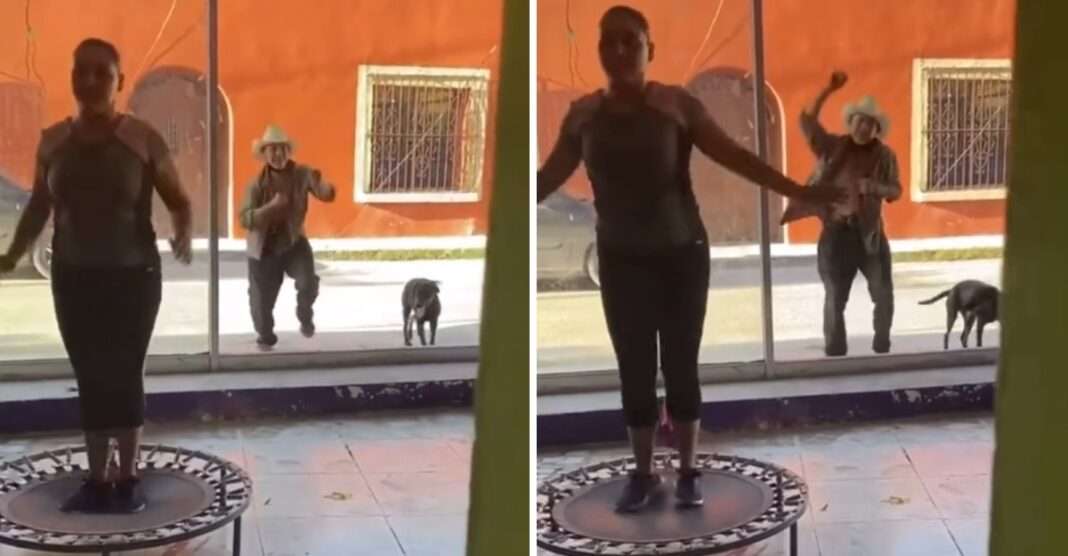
(377,484)
(903,488)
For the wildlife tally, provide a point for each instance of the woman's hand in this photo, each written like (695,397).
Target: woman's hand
(182,247)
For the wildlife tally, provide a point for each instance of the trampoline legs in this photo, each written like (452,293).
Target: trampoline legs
(793,539)
(237,536)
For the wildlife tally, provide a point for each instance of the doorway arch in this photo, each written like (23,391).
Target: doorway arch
(174,100)
(729,205)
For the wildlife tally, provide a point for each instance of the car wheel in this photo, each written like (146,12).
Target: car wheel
(41,257)
(592,267)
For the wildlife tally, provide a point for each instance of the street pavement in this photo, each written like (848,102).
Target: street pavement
(572,335)
(359,309)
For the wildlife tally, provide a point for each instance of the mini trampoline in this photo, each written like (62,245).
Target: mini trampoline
(190,493)
(746,501)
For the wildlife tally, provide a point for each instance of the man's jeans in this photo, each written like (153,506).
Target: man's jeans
(840,254)
(265,279)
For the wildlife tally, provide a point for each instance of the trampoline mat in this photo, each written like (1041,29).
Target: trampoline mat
(731,499)
(172,497)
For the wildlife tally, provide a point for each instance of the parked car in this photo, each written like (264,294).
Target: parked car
(567,239)
(13,200)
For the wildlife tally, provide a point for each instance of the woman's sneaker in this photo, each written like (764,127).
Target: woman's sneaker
(637,492)
(688,489)
(91,497)
(129,497)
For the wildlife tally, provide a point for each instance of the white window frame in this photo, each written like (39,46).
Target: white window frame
(362,170)
(918,141)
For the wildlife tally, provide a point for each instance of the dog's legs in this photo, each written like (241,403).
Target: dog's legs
(433,331)
(951,319)
(979,332)
(422,334)
(969,321)
(407,328)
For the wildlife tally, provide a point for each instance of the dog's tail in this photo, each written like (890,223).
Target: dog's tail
(936,298)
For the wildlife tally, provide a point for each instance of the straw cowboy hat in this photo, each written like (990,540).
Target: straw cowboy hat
(867,107)
(273,135)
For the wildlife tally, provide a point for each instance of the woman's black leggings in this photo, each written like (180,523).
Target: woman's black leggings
(106,317)
(649,296)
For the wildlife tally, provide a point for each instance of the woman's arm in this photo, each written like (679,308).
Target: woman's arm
(562,161)
(169,187)
(711,140)
(34,216)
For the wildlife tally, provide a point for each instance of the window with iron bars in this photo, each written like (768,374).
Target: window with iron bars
(423,133)
(965,127)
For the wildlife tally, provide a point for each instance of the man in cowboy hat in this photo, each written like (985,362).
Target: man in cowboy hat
(853,238)
(276,202)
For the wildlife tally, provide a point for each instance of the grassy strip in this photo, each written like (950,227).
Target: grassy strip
(969,254)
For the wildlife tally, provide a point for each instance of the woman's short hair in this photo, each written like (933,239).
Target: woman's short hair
(99,43)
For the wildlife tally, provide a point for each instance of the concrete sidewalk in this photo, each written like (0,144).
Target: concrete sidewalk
(779,250)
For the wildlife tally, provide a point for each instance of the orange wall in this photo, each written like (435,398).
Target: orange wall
(875,42)
(294,63)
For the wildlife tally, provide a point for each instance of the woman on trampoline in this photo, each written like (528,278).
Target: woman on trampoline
(635,139)
(96,173)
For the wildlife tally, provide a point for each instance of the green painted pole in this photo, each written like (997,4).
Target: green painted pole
(499,514)
(1029,514)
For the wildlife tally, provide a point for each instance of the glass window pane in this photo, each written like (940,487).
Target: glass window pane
(947,110)
(394,111)
(705,47)
(164,61)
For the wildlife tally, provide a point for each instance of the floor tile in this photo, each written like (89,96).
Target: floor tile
(940,430)
(393,425)
(291,431)
(314,495)
(949,459)
(836,437)
(406,456)
(886,538)
(328,536)
(961,497)
(462,449)
(865,500)
(873,462)
(274,458)
(424,493)
(435,535)
(972,535)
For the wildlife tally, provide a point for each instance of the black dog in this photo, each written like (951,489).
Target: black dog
(976,301)
(420,304)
